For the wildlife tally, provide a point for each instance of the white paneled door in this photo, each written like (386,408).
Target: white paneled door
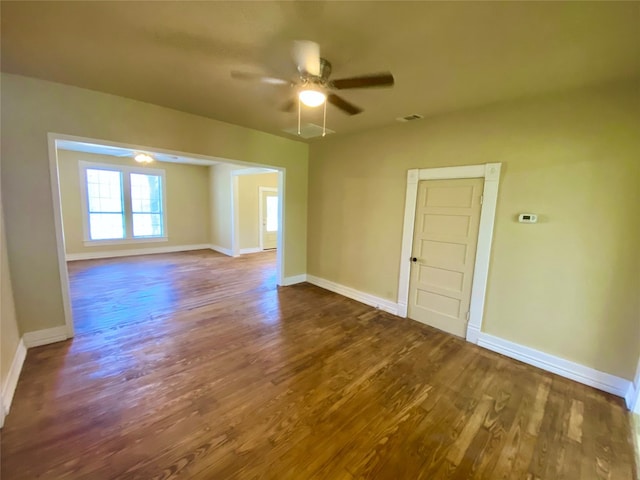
(444,250)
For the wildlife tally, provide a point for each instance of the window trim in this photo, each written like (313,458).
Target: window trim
(125,170)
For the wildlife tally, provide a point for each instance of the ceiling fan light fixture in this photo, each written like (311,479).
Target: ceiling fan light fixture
(312,97)
(143,158)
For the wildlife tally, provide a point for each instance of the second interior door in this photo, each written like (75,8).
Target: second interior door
(444,251)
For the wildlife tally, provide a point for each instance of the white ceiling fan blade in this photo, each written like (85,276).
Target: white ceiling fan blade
(306,54)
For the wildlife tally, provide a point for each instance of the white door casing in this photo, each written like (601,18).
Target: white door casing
(444,248)
(634,402)
(491,174)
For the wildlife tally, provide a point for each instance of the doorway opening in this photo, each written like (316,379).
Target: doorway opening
(139,239)
(256,207)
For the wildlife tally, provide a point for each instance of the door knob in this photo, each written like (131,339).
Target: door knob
(414,259)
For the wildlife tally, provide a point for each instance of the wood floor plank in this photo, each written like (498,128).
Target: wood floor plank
(197,366)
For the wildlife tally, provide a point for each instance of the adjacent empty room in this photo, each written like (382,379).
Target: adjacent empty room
(129,218)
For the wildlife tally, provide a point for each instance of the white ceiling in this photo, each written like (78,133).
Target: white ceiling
(122,152)
(116,151)
(445,55)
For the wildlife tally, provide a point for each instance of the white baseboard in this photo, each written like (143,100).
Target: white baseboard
(244,251)
(135,251)
(11,382)
(565,368)
(473,334)
(294,279)
(225,251)
(45,337)
(28,340)
(362,297)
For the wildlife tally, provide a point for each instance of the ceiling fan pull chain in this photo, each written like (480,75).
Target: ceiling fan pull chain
(298,115)
(324,120)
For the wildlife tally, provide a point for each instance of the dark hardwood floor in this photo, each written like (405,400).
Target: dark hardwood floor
(196,366)
(111,292)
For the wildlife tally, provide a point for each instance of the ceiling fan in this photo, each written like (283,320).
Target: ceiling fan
(313,86)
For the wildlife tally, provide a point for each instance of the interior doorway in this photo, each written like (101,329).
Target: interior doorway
(257,211)
(119,207)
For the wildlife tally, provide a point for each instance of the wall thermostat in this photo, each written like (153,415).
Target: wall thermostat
(528,218)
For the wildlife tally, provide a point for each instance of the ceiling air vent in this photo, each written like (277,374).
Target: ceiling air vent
(308,130)
(410,118)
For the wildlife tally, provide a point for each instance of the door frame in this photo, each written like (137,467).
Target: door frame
(633,400)
(491,174)
(261,190)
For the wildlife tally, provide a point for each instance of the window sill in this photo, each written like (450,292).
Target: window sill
(124,241)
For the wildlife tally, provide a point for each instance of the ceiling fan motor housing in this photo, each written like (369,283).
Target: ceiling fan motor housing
(325,69)
(321,80)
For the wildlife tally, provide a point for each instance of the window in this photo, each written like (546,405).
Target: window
(146,205)
(106,215)
(122,204)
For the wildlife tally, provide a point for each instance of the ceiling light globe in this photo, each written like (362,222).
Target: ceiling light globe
(143,158)
(312,98)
